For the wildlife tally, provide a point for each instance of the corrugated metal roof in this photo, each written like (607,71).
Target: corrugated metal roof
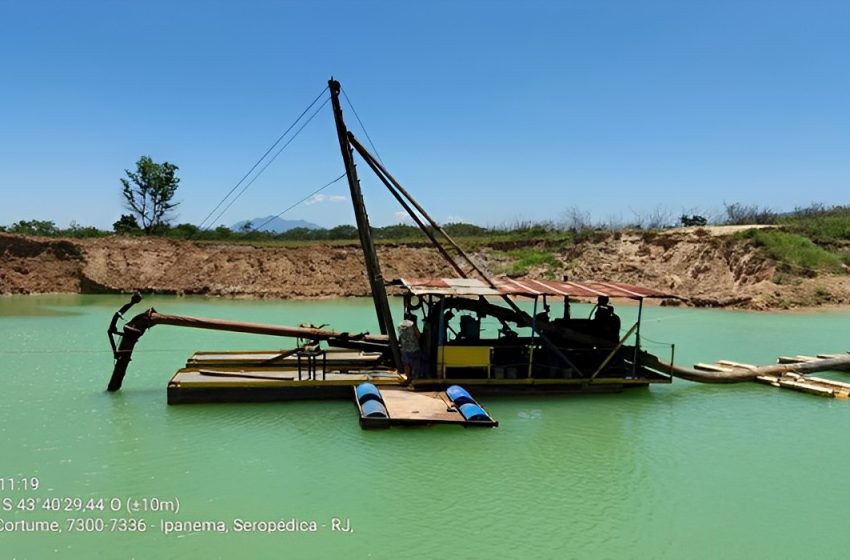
(527,287)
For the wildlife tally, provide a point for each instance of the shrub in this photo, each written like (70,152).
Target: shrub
(742,214)
(823,224)
(45,228)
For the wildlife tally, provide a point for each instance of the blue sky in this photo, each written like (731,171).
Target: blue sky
(489,112)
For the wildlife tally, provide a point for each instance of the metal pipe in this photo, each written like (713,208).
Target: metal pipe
(738,374)
(139,324)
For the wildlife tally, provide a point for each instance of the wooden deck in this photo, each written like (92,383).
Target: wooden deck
(278,375)
(407,407)
(262,384)
(197,385)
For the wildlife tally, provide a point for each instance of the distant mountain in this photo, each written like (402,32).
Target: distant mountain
(275,224)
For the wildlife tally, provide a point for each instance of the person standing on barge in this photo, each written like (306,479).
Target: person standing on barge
(408,341)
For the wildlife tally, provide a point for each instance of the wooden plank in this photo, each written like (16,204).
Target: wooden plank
(807,388)
(804,358)
(769,379)
(813,385)
(426,406)
(732,364)
(831,382)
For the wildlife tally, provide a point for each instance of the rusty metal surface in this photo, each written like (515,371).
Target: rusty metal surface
(528,287)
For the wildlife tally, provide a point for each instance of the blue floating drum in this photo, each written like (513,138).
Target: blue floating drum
(474,413)
(374,409)
(367,392)
(459,395)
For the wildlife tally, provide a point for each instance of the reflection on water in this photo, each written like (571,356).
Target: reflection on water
(678,471)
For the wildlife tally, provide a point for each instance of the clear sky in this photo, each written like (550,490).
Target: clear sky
(488,112)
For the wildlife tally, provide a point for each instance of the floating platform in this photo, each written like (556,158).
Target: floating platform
(206,385)
(279,375)
(381,408)
(275,375)
(785,377)
(808,384)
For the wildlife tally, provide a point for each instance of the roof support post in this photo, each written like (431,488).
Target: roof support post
(637,338)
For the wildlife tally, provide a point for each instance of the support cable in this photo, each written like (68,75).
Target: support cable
(272,147)
(269,162)
(315,192)
(366,132)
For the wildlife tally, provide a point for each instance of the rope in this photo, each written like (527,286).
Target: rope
(315,192)
(272,147)
(659,342)
(165,270)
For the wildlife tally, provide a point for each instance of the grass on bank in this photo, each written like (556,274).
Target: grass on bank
(526,259)
(823,225)
(795,253)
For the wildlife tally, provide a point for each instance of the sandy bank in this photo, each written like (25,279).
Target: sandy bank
(705,268)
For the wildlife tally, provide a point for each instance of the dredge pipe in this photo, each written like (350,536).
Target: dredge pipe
(156,318)
(136,327)
(739,374)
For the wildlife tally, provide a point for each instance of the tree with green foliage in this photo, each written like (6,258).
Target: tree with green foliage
(126,225)
(148,192)
(184,231)
(342,232)
(45,228)
(223,232)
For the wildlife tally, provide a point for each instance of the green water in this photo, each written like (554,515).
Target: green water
(678,471)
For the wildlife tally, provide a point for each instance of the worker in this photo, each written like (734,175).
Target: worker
(408,341)
(608,321)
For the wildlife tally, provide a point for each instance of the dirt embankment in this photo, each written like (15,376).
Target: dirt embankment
(704,268)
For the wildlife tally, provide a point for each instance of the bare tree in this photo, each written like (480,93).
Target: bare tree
(575,219)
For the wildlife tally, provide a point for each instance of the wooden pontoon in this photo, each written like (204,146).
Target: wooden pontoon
(382,407)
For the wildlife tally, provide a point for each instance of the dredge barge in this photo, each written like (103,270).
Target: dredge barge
(524,349)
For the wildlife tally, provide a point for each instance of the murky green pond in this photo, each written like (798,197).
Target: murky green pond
(678,471)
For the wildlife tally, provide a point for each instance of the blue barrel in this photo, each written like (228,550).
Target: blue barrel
(474,413)
(374,409)
(368,392)
(459,395)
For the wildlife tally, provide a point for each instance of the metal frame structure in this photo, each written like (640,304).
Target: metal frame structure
(468,292)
